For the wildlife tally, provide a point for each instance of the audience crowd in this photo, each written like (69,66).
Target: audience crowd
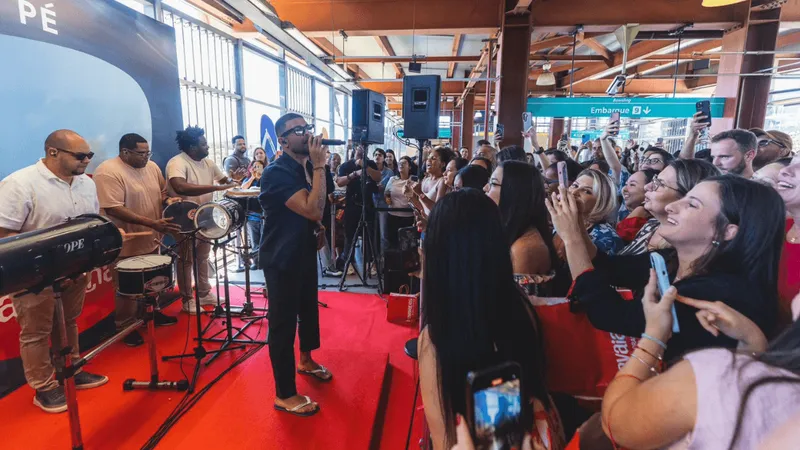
(498,231)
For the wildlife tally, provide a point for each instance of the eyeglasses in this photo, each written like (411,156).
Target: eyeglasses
(79,156)
(651,161)
(658,183)
(299,130)
(143,154)
(766,142)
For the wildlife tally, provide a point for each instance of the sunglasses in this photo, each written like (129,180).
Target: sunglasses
(299,130)
(79,156)
(766,142)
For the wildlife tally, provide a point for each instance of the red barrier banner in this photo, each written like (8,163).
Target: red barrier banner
(99,303)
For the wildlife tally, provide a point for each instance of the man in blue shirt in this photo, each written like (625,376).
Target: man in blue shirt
(293,195)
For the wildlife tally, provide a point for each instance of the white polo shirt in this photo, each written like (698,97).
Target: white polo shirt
(34,198)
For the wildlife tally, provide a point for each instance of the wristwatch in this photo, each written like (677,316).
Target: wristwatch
(540,151)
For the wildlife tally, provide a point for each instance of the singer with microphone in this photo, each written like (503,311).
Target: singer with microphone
(293,192)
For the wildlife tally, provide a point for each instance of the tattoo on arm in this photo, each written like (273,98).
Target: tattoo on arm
(319,181)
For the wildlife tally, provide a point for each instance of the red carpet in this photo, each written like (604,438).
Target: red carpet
(237,412)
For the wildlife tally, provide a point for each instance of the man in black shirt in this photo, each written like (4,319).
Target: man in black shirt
(350,176)
(293,195)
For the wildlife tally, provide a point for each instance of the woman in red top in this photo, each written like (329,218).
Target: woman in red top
(788,186)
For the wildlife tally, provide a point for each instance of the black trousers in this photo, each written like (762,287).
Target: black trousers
(292,309)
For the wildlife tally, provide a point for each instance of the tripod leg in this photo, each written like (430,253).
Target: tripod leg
(375,260)
(351,259)
(63,367)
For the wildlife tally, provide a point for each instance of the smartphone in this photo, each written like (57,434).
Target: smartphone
(585,138)
(660,266)
(499,130)
(494,407)
(563,177)
(704,106)
(527,121)
(615,118)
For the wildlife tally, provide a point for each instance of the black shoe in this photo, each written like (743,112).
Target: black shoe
(133,340)
(86,380)
(163,320)
(52,401)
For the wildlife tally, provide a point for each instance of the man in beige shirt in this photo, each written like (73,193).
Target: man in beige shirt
(132,193)
(192,176)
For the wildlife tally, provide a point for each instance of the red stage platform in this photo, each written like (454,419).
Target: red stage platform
(366,405)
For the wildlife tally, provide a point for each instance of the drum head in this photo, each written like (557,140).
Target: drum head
(182,213)
(143,262)
(213,220)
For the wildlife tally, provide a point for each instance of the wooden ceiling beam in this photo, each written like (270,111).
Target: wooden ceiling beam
(386,47)
(331,50)
(455,51)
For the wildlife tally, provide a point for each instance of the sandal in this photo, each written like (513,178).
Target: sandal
(295,410)
(317,373)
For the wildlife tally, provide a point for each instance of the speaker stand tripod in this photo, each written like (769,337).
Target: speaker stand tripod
(363,229)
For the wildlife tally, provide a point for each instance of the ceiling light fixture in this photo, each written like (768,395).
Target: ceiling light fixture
(546,78)
(718,3)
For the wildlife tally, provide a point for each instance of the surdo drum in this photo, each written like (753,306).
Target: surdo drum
(38,258)
(144,275)
(218,219)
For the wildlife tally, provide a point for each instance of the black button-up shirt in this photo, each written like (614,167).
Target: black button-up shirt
(288,237)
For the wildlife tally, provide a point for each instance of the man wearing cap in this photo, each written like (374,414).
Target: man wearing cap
(772,146)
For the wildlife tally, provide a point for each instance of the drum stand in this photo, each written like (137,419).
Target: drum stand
(244,312)
(154,384)
(199,353)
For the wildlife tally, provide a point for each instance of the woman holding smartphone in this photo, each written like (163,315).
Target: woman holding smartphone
(726,236)
(476,317)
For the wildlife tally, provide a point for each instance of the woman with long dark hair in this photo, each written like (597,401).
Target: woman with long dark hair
(670,185)
(632,215)
(518,189)
(475,316)
(713,398)
(726,237)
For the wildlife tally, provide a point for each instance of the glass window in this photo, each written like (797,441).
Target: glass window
(338,132)
(261,78)
(253,113)
(320,125)
(322,99)
(339,112)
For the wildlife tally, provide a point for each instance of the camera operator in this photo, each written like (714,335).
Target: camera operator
(350,176)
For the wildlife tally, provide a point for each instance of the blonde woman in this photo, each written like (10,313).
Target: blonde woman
(597,200)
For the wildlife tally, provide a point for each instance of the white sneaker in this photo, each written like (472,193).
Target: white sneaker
(189,308)
(208,299)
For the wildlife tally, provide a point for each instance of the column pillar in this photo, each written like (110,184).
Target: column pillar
(468,121)
(455,128)
(746,97)
(512,67)
(556,130)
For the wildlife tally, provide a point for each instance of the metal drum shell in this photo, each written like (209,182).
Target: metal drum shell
(233,209)
(38,258)
(138,282)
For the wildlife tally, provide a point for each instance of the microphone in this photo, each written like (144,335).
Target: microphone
(332,142)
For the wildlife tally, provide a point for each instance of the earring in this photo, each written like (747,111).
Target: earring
(715,243)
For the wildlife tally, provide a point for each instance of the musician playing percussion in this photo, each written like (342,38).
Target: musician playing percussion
(36,197)
(192,176)
(293,197)
(132,192)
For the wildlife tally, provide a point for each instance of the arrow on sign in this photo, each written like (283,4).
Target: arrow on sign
(647,110)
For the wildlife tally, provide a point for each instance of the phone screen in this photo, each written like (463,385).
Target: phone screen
(527,121)
(497,411)
(499,130)
(660,266)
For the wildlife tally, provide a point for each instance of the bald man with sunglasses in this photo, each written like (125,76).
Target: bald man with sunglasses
(39,196)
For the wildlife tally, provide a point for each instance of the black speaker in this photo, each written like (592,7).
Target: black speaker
(421,97)
(368,111)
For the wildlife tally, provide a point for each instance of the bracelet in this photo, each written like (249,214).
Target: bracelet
(657,358)
(627,375)
(319,168)
(649,367)
(657,341)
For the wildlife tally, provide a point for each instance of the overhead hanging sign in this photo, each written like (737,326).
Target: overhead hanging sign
(635,108)
(595,134)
